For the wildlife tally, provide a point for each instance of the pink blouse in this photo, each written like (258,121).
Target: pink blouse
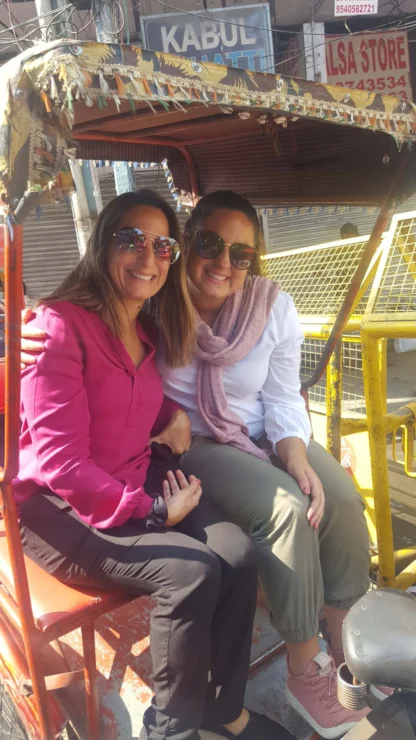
(87,417)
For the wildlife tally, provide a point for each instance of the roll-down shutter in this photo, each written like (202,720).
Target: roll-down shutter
(297,230)
(153,178)
(50,248)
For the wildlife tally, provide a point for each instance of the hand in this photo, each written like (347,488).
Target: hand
(177,434)
(30,333)
(310,485)
(180,496)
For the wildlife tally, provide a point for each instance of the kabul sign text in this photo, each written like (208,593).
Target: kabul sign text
(236,37)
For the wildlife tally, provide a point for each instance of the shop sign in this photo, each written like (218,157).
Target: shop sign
(343,8)
(238,36)
(372,62)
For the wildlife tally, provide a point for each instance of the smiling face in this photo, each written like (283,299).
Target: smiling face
(139,275)
(215,279)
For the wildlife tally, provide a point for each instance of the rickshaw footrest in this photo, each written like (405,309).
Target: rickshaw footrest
(53,682)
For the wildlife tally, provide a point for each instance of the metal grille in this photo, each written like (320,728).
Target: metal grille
(353,399)
(317,278)
(396,293)
(361,308)
(11,727)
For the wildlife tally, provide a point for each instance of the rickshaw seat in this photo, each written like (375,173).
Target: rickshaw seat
(379,636)
(57,607)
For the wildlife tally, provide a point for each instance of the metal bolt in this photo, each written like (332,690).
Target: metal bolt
(19,93)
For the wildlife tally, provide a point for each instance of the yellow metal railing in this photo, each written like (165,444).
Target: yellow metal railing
(353,395)
(372,333)
(390,314)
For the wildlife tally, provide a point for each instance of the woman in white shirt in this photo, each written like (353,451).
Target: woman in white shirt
(302,511)
(252,450)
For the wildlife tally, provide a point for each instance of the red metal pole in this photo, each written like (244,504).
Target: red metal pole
(90,674)
(154,141)
(13,299)
(13,295)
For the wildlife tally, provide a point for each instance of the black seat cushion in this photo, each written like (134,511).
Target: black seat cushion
(379,635)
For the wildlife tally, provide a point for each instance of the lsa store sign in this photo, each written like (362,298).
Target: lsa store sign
(237,37)
(373,62)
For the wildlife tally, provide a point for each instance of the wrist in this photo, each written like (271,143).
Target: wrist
(292,451)
(180,414)
(181,421)
(158,514)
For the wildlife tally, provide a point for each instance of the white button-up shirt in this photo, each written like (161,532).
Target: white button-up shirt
(263,388)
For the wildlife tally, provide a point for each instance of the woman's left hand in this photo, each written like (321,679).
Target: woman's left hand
(177,434)
(310,485)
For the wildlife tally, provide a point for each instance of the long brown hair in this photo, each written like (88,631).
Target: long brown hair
(90,285)
(230,201)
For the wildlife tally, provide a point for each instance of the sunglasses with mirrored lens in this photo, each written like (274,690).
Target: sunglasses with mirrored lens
(209,246)
(130,239)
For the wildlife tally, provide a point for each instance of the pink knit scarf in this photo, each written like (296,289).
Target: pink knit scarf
(236,331)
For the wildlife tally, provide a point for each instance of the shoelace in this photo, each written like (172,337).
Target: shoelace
(326,682)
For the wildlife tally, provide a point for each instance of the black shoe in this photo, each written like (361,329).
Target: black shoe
(258,727)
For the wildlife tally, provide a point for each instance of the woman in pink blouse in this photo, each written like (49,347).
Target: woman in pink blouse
(102,505)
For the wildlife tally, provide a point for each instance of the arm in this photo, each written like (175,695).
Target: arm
(287,422)
(285,413)
(173,427)
(56,408)
(167,412)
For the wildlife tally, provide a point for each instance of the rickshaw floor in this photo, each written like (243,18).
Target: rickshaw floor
(11,727)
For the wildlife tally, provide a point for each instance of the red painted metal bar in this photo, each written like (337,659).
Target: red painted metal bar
(267,657)
(90,673)
(13,291)
(13,669)
(13,240)
(154,141)
(344,314)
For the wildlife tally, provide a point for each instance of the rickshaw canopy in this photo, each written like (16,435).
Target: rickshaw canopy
(277,140)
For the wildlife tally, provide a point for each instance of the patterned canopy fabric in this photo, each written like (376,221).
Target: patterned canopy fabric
(42,88)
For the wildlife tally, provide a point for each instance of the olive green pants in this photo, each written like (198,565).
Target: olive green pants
(301,568)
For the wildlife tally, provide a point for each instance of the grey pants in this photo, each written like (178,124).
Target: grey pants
(301,569)
(203,575)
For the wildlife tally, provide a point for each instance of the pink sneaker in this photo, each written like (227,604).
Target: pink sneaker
(380,692)
(314,696)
